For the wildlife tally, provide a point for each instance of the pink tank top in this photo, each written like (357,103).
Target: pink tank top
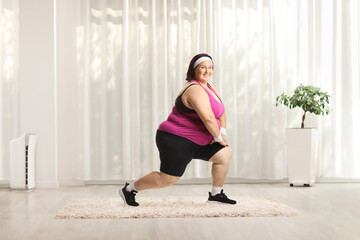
(188,124)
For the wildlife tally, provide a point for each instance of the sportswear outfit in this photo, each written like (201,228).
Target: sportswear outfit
(183,136)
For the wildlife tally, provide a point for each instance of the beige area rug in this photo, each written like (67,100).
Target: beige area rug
(173,207)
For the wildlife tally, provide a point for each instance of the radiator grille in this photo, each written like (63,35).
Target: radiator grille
(26,166)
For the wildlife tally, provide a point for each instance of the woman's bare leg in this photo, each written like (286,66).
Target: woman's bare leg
(220,166)
(155,180)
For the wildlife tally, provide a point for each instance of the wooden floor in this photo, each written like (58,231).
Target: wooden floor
(327,211)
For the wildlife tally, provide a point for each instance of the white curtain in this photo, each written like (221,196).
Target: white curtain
(318,43)
(133,55)
(9,109)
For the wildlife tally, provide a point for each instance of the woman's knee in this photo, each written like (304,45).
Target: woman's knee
(223,156)
(228,155)
(229,152)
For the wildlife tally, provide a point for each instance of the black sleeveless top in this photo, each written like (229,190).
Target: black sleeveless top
(180,105)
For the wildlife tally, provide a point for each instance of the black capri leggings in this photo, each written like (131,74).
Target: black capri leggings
(176,152)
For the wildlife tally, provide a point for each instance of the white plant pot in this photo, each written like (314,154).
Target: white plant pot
(301,155)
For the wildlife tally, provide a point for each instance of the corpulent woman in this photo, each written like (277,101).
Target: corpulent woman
(195,128)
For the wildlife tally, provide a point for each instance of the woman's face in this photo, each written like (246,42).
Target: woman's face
(204,71)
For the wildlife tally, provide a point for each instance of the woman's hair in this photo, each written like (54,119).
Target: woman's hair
(191,71)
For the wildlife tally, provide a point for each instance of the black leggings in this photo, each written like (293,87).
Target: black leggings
(176,152)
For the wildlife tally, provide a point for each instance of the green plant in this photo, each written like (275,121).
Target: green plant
(309,98)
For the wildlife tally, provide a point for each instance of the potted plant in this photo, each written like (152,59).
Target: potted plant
(301,143)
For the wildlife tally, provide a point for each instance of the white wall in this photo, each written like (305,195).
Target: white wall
(37,84)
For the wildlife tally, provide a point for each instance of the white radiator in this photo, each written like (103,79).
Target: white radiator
(22,162)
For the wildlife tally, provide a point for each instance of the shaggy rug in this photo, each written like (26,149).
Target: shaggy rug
(173,207)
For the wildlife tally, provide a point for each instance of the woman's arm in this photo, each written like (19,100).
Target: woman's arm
(199,101)
(222,120)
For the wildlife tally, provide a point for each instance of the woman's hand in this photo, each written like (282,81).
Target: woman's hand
(223,142)
(224,138)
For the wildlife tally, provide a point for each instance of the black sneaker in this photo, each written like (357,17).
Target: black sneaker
(128,197)
(220,198)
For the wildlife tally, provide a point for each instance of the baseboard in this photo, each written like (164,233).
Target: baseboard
(105,182)
(71,182)
(38,184)
(75,182)
(190,181)
(338,180)
(4,184)
(228,181)
(46,184)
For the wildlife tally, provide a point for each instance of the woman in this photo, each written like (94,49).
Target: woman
(195,128)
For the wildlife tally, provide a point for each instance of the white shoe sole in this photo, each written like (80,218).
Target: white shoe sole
(122,196)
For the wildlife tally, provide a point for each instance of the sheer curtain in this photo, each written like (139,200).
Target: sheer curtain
(318,43)
(9,109)
(132,57)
